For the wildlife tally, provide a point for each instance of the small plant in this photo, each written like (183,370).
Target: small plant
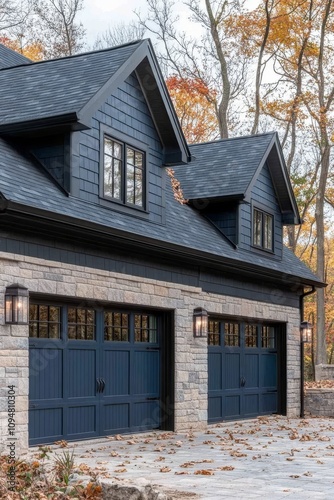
(65,465)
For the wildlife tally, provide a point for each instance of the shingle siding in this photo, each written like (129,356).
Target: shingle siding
(125,111)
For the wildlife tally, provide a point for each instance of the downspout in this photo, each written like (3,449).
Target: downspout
(301,309)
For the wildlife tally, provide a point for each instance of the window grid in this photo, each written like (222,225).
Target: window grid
(44,321)
(81,323)
(145,328)
(213,332)
(232,334)
(262,230)
(268,337)
(116,326)
(124,172)
(250,335)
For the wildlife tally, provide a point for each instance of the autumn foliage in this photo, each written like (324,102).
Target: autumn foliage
(194,105)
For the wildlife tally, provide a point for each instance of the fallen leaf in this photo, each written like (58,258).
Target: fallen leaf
(226,467)
(204,472)
(165,469)
(120,471)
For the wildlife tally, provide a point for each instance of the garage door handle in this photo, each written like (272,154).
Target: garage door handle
(243,382)
(99,385)
(103,384)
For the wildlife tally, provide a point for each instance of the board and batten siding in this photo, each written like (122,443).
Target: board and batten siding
(125,112)
(264,197)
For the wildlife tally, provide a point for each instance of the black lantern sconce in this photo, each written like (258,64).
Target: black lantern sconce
(16,305)
(306,332)
(200,319)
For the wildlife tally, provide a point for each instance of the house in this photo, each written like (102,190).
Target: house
(122,278)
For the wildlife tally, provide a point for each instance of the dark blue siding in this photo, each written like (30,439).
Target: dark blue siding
(210,280)
(52,156)
(125,112)
(263,196)
(227,221)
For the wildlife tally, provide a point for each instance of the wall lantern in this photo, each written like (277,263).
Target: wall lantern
(16,304)
(200,322)
(306,332)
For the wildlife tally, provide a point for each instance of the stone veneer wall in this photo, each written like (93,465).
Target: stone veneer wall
(324,372)
(319,402)
(191,378)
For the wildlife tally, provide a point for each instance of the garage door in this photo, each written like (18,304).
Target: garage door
(242,369)
(93,372)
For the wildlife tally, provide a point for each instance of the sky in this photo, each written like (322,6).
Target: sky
(98,15)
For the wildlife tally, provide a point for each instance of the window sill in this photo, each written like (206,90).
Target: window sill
(124,209)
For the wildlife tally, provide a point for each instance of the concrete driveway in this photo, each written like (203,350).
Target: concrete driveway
(267,458)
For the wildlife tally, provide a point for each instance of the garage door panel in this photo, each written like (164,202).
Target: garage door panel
(232,370)
(116,373)
(46,422)
(232,406)
(81,421)
(251,404)
(269,370)
(215,371)
(45,374)
(146,373)
(269,402)
(81,373)
(146,415)
(116,417)
(215,407)
(250,370)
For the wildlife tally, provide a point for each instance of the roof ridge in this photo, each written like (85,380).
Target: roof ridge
(239,137)
(34,63)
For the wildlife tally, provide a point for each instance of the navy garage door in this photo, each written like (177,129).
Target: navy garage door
(92,372)
(242,370)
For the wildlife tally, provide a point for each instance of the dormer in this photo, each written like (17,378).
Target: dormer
(242,186)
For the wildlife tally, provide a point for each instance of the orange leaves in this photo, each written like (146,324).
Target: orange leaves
(33,50)
(178,195)
(194,104)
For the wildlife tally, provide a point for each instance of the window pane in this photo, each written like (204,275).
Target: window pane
(257,228)
(250,335)
(139,187)
(44,321)
(117,150)
(117,179)
(213,332)
(139,159)
(130,156)
(268,232)
(108,146)
(130,175)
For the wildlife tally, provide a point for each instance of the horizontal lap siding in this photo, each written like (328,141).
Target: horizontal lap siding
(125,111)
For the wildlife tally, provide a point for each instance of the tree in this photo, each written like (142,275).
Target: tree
(193,105)
(33,51)
(119,35)
(210,58)
(56,27)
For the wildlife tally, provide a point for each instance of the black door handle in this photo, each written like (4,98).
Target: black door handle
(242,381)
(98,385)
(103,384)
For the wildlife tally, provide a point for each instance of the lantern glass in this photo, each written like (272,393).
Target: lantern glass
(16,305)
(200,322)
(306,332)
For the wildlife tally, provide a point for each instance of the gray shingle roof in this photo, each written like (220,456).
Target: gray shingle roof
(23,182)
(222,168)
(54,88)
(10,58)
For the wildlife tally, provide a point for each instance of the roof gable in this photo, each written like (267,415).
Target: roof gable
(10,58)
(228,169)
(74,88)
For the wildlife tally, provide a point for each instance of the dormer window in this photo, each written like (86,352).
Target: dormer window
(124,172)
(262,230)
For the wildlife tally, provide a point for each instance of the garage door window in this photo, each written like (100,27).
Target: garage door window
(44,321)
(268,337)
(250,335)
(116,326)
(214,333)
(145,328)
(81,323)
(232,334)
